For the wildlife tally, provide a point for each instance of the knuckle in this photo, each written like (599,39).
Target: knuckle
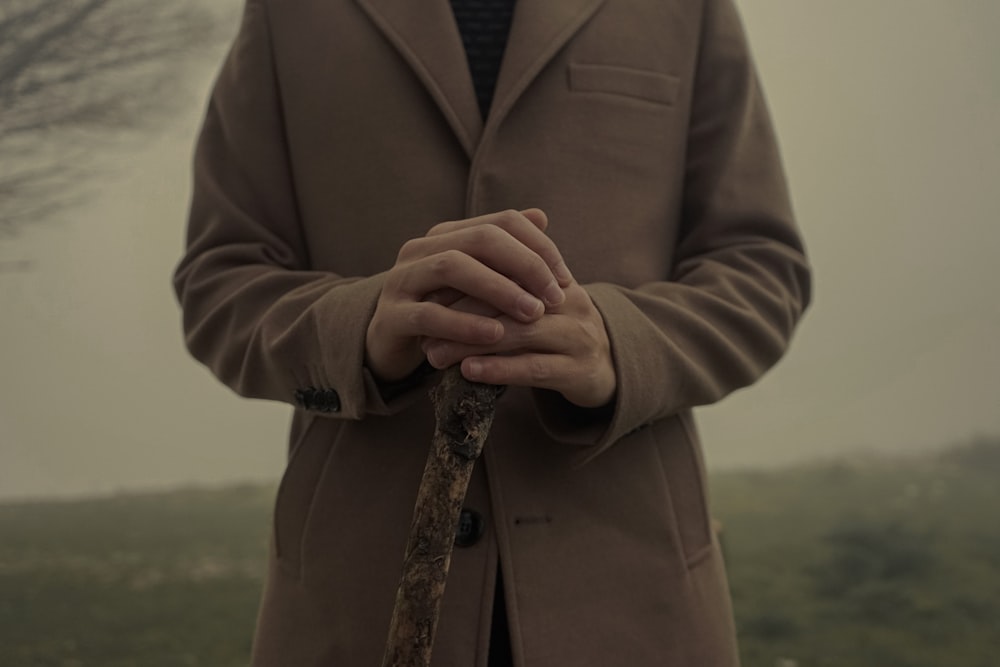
(537,265)
(550,253)
(539,370)
(443,264)
(408,250)
(439,228)
(418,317)
(508,219)
(482,235)
(528,336)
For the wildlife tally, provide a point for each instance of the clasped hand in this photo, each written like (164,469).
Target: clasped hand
(493,294)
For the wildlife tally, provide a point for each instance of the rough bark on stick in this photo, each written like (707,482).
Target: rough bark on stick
(464,413)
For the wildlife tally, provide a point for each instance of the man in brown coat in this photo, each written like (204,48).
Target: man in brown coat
(612,239)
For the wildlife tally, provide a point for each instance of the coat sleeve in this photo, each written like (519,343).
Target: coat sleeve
(254,312)
(740,280)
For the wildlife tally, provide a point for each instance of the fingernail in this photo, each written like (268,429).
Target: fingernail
(562,273)
(530,306)
(554,295)
(474,368)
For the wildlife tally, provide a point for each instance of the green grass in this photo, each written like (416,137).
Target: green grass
(152,580)
(875,564)
(880,564)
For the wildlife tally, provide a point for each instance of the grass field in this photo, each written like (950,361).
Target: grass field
(874,564)
(881,564)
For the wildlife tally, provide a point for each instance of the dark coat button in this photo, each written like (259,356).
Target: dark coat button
(329,401)
(318,400)
(470,528)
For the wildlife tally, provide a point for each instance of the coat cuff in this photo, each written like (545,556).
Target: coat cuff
(391,397)
(641,382)
(341,379)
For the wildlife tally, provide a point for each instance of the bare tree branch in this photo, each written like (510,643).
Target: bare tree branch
(75,75)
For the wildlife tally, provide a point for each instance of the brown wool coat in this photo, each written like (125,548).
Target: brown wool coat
(338,130)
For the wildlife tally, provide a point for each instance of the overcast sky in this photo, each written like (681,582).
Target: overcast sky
(888,117)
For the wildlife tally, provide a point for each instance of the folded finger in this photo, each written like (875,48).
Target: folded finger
(527,226)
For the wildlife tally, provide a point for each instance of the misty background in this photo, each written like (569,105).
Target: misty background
(887,114)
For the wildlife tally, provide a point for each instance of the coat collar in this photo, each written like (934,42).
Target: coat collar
(426,35)
(540,28)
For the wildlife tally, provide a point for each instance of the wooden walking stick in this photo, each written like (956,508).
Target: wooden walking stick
(464,413)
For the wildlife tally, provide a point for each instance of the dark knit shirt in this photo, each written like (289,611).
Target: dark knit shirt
(484,25)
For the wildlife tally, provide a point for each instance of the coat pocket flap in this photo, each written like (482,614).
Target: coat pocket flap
(616,80)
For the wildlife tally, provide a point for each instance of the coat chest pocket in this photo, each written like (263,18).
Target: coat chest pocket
(297,490)
(640,84)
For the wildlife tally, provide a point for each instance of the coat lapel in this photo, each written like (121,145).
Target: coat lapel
(539,29)
(426,35)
